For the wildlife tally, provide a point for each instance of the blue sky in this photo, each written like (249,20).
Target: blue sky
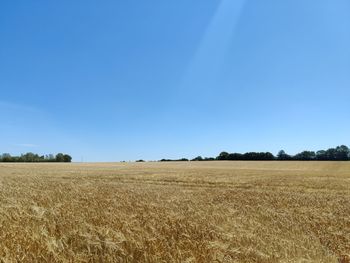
(123,80)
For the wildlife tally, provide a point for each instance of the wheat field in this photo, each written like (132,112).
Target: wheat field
(175,212)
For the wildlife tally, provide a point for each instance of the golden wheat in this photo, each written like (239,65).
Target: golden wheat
(175,212)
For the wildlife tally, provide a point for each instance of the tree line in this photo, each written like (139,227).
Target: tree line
(35,158)
(339,153)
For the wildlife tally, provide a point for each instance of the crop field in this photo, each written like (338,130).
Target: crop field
(175,212)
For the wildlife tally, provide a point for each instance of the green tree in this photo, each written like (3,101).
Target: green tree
(342,153)
(60,157)
(283,156)
(6,157)
(67,158)
(198,158)
(321,155)
(223,156)
(305,156)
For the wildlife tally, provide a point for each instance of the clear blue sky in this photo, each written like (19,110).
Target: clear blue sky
(123,80)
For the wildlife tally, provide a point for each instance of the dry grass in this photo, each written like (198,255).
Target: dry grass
(175,212)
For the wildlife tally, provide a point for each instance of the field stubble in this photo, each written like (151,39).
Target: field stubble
(175,212)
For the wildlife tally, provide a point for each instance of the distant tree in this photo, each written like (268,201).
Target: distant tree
(283,156)
(50,158)
(6,157)
(321,155)
(198,158)
(342,153)
(60,157)
(171,160)
(331,154)
(140,161)
(67,158)
(235,157)
(305,156)
(267,156)
(258,156)
(32,157)
(223,156)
